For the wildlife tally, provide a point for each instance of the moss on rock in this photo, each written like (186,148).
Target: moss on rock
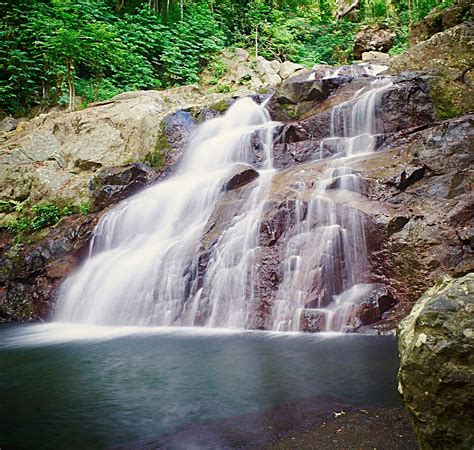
(436,376)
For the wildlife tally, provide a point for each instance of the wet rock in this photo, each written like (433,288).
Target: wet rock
(299,89)
(408,177)
(111,185)
(406,104)
(312,320)
(8,124)
(377,38)
(31,273)
(242,175)
(373,304)
(396,224)
(436,376)
(415,233)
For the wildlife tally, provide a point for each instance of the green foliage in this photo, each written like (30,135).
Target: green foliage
(53,50)
(190,44)
(217,68)
(45,215)
(39,216)
(401,41)
(84,208)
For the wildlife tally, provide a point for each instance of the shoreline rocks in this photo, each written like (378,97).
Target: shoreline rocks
(436,376)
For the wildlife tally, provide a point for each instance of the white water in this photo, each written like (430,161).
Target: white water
(143,267)
(144,254)
(325,266)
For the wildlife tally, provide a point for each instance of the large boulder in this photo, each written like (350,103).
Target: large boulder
(436,376)
(377,38)
(56,155)
(449,58)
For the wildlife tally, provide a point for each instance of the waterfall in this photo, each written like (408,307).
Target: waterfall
(325,266)
(143,258)
(146,265)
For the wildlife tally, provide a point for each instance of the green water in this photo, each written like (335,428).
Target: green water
(64,386)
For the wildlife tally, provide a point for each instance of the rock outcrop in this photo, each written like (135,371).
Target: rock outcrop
(55,156)
(31,272)
(448,57)
(436,376)
(441,19)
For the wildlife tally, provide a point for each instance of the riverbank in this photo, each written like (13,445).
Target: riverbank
(374,428)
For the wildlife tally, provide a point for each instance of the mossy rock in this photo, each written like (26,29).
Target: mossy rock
(451,98)
(436,376)
(156,158)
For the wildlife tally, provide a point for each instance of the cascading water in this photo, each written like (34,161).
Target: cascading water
(325,266)
(144,254)
(144,266)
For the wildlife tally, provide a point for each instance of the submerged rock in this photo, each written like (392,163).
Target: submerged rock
(436,376)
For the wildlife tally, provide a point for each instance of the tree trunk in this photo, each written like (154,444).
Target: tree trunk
(343,9)
(70,82)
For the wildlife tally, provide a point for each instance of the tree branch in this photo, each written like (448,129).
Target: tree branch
(343,10)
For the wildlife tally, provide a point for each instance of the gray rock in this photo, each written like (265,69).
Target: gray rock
(436,376)
(287,69)
(8,124)
(376,57)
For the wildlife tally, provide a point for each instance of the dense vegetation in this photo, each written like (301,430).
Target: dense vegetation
(54,50)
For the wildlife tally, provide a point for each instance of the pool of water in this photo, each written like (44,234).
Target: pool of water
(69,386)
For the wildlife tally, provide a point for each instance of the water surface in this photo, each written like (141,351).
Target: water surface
(70,386)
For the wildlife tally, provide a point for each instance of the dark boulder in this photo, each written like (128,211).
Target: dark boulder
(373,304)
(373,38)
(113,184)
(241,175)
(31,273)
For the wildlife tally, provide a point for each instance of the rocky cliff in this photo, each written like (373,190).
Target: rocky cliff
(415,199)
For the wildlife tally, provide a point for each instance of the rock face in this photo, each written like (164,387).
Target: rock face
(374,38)
(436,376)
(111,185)
(440,19)
(31,273)
(414,194)
(449,58)
(56,156)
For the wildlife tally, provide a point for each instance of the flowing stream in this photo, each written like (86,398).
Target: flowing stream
(143,268)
